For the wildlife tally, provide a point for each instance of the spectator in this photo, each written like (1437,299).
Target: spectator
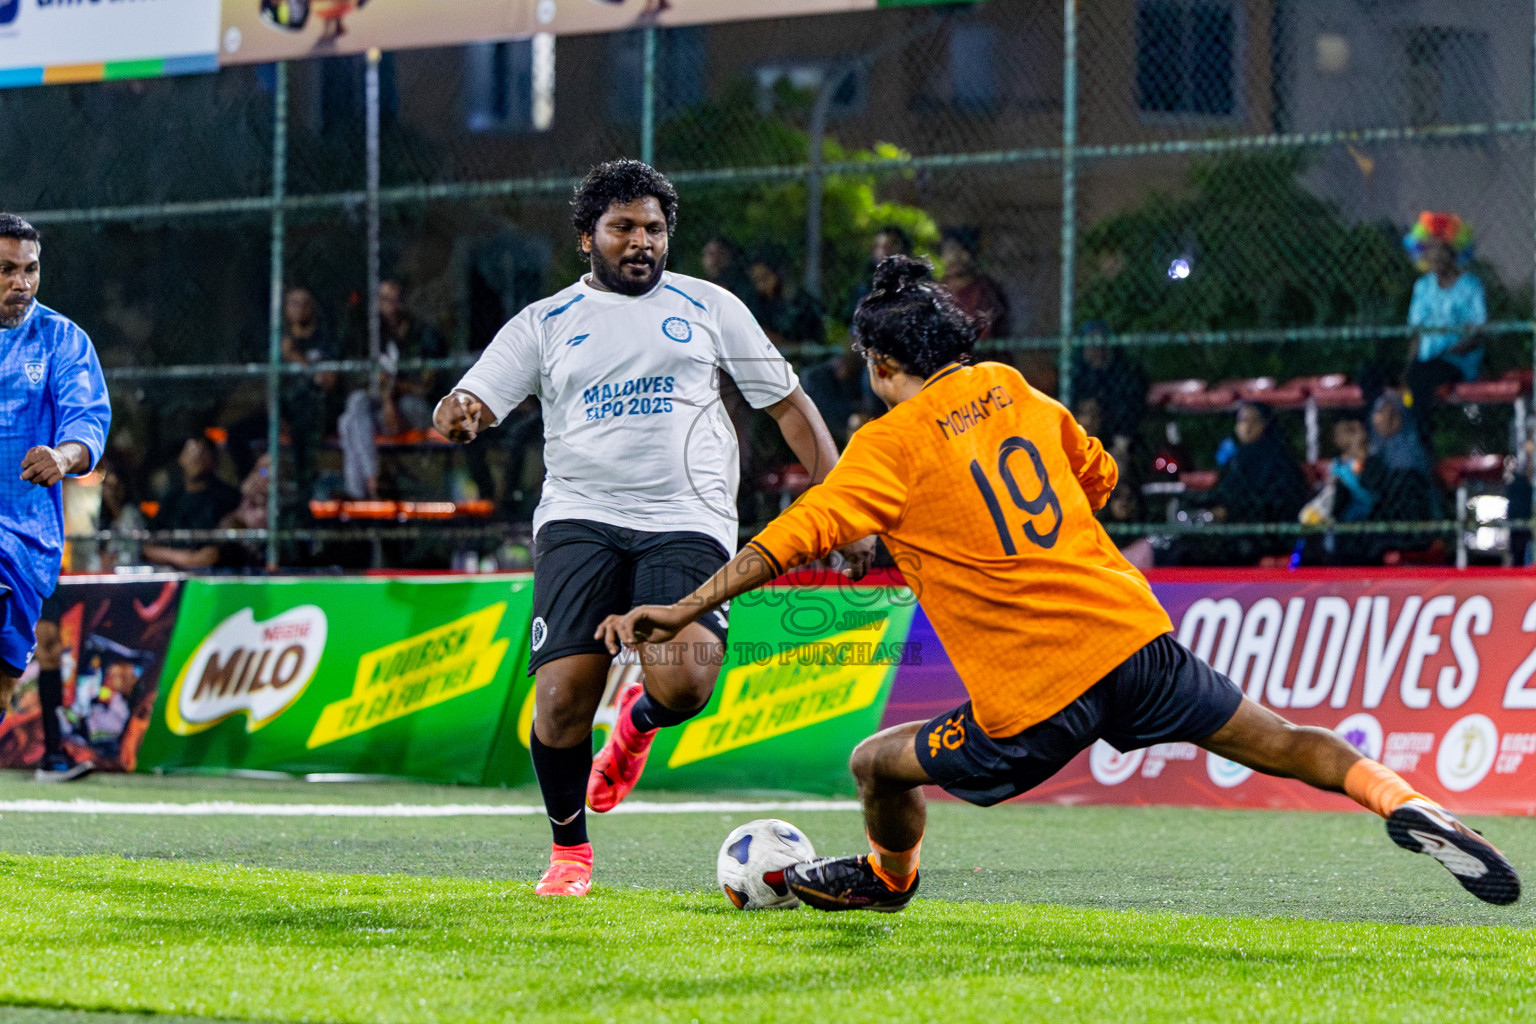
(839,386)
(978,294)
(1447,312)
(720,261)
(1117,384)
(1401,450)
(403,402)
(115,513)
(250,514)
(200,503)
(305,403)
(1262,482)
(1089,414)
(1126,507)
(890,240)
(1346,496)
(787,314)
(1352,473)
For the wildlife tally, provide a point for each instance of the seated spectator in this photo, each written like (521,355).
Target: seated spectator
(1117,384)
(1262,483)
(1447,312)
(305,403)
(1353,472)
(250,514)
(1127,507)
(978,294)
(117,514)
(786,314)
(720,263)
(1401,450)
(404,401)
(200,503)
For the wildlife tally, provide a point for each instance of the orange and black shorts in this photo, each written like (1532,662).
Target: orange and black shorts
(1160,694)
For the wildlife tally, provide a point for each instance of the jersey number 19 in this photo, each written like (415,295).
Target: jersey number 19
(1046,499)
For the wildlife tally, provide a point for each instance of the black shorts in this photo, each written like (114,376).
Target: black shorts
(1160,694)
(585,571)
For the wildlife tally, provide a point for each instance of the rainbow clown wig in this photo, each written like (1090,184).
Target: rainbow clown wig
(1444,227)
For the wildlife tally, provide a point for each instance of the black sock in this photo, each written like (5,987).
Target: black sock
(647,714)
(563,773)
(50,696)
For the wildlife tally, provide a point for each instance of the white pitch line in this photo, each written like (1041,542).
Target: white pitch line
(231,808)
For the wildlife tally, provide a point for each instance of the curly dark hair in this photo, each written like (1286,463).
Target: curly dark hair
(620,181)
(12,226)
(911,318)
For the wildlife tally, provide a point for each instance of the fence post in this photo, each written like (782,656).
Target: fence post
(648,100)
(275,305)
(371,95)
(1529,555)
(1068,197)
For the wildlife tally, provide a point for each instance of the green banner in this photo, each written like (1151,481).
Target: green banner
(404,677)
(426,678)
(806,677)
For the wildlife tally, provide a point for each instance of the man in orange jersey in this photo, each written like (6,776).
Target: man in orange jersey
(990,487)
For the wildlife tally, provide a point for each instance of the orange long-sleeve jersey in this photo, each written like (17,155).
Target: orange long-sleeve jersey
(985,490)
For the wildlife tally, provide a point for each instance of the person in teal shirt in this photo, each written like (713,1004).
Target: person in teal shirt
(1447,311)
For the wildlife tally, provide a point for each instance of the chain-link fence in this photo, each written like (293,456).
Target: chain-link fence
(1183,217)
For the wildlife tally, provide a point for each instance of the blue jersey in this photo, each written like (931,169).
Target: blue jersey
(51,390)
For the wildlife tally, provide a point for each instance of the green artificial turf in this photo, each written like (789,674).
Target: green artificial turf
(1122,914)
(259,944)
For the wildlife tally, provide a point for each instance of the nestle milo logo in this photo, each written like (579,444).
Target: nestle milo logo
(250,667)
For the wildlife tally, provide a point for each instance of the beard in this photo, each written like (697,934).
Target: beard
(614,277)
(12,316)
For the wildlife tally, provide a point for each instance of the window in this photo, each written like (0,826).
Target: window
(849,96)
(680,70)
(1185,57)
(973,85)
(1448,76)
(510,86)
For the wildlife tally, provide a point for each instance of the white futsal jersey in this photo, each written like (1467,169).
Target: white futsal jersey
(635,434)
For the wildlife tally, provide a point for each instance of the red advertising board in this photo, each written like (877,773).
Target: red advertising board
(1432,673)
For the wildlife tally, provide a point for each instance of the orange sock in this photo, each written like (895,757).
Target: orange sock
(1376,787)
(897,870)
(581,854)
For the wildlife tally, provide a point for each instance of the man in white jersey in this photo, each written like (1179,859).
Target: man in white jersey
(639,499)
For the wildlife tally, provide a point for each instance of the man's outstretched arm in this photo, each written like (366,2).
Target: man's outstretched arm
(656,624)
(865,496)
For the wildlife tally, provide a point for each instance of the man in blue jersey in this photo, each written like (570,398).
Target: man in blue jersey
(54,414)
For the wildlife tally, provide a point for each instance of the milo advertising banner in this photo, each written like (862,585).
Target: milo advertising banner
(807,675)
(425,678)
(406,677)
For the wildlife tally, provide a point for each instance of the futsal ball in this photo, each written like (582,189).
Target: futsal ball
(752,860)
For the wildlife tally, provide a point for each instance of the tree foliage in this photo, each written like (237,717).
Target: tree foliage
(1264,253)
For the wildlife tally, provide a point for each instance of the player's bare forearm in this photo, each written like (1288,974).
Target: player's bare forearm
(806,433)
(46,466)
(1470,339)
(654,623)
(181,558)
